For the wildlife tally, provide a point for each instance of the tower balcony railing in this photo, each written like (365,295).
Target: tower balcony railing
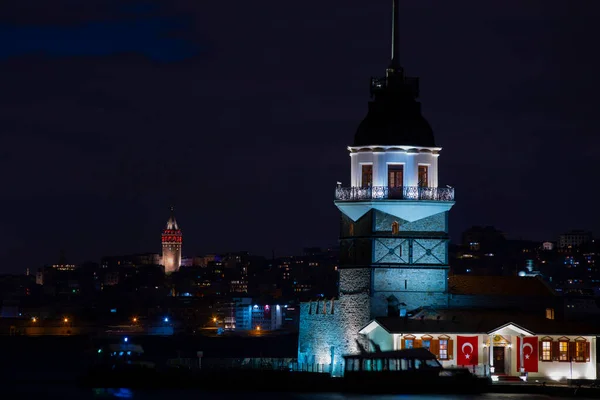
(394,193)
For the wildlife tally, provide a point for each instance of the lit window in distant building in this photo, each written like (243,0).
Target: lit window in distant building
(423,176)
(351,229)
(549,313)
(563,351)
(426,344)
(474,246)
(408,344)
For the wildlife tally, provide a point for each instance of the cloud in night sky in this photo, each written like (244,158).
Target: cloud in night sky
(96,39)
(129,28)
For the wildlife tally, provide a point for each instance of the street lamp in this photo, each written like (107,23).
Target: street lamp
(34,320)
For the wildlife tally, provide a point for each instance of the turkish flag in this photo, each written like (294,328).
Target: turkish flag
(467,348)
(530,353)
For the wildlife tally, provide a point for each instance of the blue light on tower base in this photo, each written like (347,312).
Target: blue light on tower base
(166,319)
(126,339)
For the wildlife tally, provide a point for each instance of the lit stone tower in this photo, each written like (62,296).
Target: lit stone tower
(394,225)
(172,240)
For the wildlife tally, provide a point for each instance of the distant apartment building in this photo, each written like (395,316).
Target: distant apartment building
(39,277)
(131,260)
(64,267)
(547,246)
(244,314)
(238,286)
(60,278)
(111,278)
(486,239)
(574,238)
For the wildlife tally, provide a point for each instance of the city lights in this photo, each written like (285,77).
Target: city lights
(400,301)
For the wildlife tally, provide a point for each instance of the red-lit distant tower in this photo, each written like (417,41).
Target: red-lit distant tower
(172,240)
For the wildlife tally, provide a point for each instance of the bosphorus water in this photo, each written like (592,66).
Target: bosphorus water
(70,392)
(47,368)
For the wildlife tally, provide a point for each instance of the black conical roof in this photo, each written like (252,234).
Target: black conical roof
(394,117)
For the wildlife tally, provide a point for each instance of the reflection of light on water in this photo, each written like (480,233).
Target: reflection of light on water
(121,393)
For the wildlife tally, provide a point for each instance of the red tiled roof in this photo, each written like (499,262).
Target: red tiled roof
(483,321)
(498,286)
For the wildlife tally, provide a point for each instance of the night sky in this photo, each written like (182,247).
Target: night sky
(239,113)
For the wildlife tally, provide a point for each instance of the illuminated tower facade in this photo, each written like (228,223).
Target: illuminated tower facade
(394,222)
(172,239)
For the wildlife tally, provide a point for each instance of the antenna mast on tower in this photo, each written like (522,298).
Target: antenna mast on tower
(395,64)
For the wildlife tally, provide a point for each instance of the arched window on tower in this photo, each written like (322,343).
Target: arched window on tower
(351,229)
(395,228)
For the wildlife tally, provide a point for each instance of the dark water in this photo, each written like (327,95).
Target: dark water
(39,361)
(71,393)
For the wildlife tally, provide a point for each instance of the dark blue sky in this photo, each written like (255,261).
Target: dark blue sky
(239,113)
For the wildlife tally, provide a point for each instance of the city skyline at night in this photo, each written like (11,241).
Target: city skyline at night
(240,119)
(349,198)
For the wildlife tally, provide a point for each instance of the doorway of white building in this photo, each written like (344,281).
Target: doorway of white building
(499,360)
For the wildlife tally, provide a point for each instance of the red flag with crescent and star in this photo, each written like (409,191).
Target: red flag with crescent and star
(530,353)
(467,348)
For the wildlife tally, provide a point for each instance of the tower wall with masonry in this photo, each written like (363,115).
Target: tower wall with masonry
(172,240)
(328,329)
(410,266)
(171,252)
(379,270)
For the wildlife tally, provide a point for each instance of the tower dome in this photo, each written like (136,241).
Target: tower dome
(394,117)
(172,222)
